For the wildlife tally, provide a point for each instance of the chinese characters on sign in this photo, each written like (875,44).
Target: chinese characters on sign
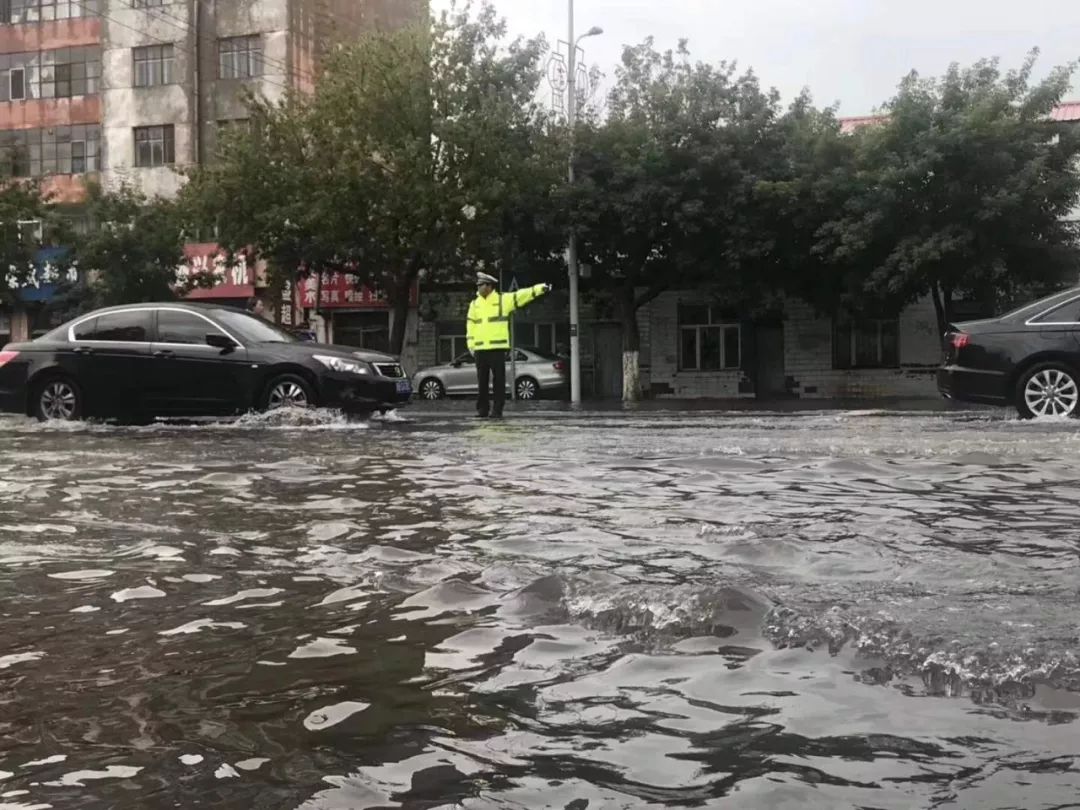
(343,290)
(286,307)
(47,276)
(238,274)
(229,281)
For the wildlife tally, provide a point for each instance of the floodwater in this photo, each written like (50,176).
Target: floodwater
(847,609)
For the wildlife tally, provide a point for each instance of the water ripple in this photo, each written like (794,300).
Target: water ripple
(835,609)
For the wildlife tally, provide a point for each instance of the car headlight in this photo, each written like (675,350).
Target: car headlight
(340,364)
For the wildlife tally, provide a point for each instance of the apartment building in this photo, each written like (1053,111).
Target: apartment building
(135,90)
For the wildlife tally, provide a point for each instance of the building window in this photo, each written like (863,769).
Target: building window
(548,338)
(149,3)
(154,146)
(240,57)
(59,73)
(78,157)
(17,84)
(31,230)
(153,65)
(451,342)
(70,72)
(21,11)
(15,155)
(32,11)
(708,341)
(867,343)
(59,150)
(65,9)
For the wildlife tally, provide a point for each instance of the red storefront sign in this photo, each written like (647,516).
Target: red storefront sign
(208,259)
(343,291)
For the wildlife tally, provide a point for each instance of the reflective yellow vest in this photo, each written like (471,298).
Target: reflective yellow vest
(489,318)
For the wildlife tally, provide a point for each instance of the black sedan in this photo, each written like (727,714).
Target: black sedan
(1029,358)
(180,360)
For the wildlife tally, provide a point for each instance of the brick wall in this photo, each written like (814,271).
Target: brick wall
(644,319)
(808,357)
(452,306)
(808,350)
(664,378)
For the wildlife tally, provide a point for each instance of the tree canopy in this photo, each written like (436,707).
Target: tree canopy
(29,220)
(135,250)
(415,154)
(665,197)
(963,189)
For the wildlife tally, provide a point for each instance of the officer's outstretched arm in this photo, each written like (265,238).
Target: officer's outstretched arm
(521,298)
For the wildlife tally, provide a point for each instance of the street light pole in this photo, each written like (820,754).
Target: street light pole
(571,248)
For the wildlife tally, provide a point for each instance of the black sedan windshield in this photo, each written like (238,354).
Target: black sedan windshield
(252,329)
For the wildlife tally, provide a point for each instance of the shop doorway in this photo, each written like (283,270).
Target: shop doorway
(770,374)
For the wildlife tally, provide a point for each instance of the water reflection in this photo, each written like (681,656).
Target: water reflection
(811,610)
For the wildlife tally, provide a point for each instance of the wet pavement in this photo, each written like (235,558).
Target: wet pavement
(872,609)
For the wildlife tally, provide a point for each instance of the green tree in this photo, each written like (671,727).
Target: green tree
(260,193)
(963,190)
(25,212)
(419,152)
(133,253)
(667,182)
(435,137)
(813,182)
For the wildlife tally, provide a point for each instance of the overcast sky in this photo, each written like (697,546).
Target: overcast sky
(849,51)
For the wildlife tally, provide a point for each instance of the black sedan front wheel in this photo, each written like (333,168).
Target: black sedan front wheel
(58,399)
(1048,389)
(287,391)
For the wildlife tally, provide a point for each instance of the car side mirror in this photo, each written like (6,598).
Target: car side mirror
(456,364)
(220,341)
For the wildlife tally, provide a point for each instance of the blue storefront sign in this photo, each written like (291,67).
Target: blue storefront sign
(51,275)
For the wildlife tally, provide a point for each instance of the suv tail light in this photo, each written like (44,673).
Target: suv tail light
(959,340)
(7,357)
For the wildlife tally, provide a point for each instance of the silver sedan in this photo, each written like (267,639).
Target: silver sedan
(538,373)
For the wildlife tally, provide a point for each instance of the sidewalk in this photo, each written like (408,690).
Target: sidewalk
(920,404)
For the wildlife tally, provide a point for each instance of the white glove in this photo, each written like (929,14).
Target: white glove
(547,288)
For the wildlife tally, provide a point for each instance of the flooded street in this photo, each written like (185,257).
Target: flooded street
(611,610)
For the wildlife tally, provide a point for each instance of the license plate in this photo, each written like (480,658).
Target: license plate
(404,387)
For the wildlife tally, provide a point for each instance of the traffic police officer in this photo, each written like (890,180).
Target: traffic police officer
(488,336)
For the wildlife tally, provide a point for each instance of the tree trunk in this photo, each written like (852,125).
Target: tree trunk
(939,310)
(397,333)
(399,301)
(943,306)
(631,359)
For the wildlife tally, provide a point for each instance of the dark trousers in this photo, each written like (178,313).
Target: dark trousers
(491,364)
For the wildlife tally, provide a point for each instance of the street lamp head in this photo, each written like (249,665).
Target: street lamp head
(595,31)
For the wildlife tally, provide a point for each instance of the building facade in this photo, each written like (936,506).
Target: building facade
(135,91)
(695,350)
